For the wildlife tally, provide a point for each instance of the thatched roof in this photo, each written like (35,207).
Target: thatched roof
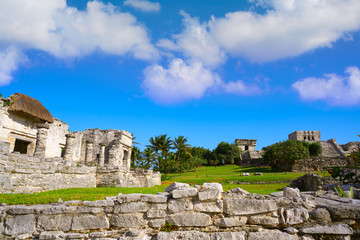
(31,106)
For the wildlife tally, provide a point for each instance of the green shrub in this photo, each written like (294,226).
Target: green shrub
(315,149)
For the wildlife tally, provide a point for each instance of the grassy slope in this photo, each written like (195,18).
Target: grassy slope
(222,174)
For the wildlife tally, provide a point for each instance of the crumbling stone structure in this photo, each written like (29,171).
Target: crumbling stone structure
(248,153)
(307,136)
(184,212)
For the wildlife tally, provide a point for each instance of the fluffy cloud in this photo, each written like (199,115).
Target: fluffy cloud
(180,82)
(240,88)
(335,89)
(9,60)
(287,29)
(53,27)
(195,43)
(143,5)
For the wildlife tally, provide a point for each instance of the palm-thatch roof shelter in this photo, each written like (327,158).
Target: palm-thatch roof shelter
(28,105)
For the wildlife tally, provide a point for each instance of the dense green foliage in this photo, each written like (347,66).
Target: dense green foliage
(226,153)
(315,149)
(283,154)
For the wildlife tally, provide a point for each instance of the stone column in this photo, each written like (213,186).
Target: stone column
(69,146)
(102,154)
(41,138)
(89,151)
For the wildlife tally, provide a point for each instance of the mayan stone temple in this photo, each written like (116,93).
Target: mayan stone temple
(38,153)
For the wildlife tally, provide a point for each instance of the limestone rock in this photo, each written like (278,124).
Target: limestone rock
(264,220)
(177,185)
(239,191)
(291,230)
(153,198)
(52,235)
(131,207)
(344,211)
(99,203)
(238,206)
(180,205)
(271,235)
(210,207)
(84,222)
(20,224)
(291,192)
(128,220)
(209,195)
(184,193)
(294,215)
(190,219)
(156,223)
(55,222)
(320,214)
(227,236)
(336,229)
(228,222)
(155,213)
(190,235)
(126,198)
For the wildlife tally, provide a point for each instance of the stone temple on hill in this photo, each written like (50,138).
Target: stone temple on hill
(38,153)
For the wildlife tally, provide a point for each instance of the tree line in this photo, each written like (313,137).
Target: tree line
(177,155)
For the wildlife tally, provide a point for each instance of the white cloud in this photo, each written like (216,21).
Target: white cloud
(180,82)
(143,5)
(195,43)
(53,27)
(9,61)
(240,88)
(335,89)
(287,29)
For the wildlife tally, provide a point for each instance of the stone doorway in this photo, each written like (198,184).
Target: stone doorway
(21,146)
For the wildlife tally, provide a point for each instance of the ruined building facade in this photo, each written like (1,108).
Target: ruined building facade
(38,153)
(248,153)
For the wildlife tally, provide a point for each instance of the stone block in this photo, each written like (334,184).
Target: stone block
(189,235)
(153,198)
(209,195)
(264,220)
(227,236)
(229,222)
(158,206)
(131,207)
(271,235)
(180,205)
(238,206)
(19,224)
(156,223)
(54,222)
(52,235)
(291,192)
(336,229)
(128,220)
(211,186)
(294,215)
(155,213)
(93,210)
(59,210)
(85,222)
(344,211)
(320,214)
(176,185)
(125,198)
(190,219)
(184,193)
(99,203)
(210,207)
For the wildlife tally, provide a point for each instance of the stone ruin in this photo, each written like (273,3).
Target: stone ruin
(189,213)
(37,153)
(248,153)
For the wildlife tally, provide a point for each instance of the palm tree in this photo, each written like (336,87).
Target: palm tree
(181,146)
(135,153)
(148,156)
(154,146)
(165,144)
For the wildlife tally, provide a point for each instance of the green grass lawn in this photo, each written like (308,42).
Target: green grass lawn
(221,174)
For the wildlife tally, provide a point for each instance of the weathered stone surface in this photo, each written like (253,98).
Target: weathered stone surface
(271,235)
(158,206)
(264,220)
(156,223)
(291,230)
(177,185)
(237,206)
(294,215)
(211,186)
(59,210)
(239,191)
(93,210)
(20,224)
(184,193)
(210,207)
(52,235)
(189,219)
(227,236)
(84,222)
(131,207)
(344,211)
(153,198)
(320,214)
(228,222)
(99,203)
(190,235)
(125,198)
(54,222)
(180,205)
(336,229)
(128,220)
(209,195)
(291,192)
(155,213)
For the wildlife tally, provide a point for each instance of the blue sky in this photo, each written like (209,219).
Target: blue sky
(210,70)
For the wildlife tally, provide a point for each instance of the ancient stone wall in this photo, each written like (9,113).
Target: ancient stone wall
(189,214)
(317,164)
